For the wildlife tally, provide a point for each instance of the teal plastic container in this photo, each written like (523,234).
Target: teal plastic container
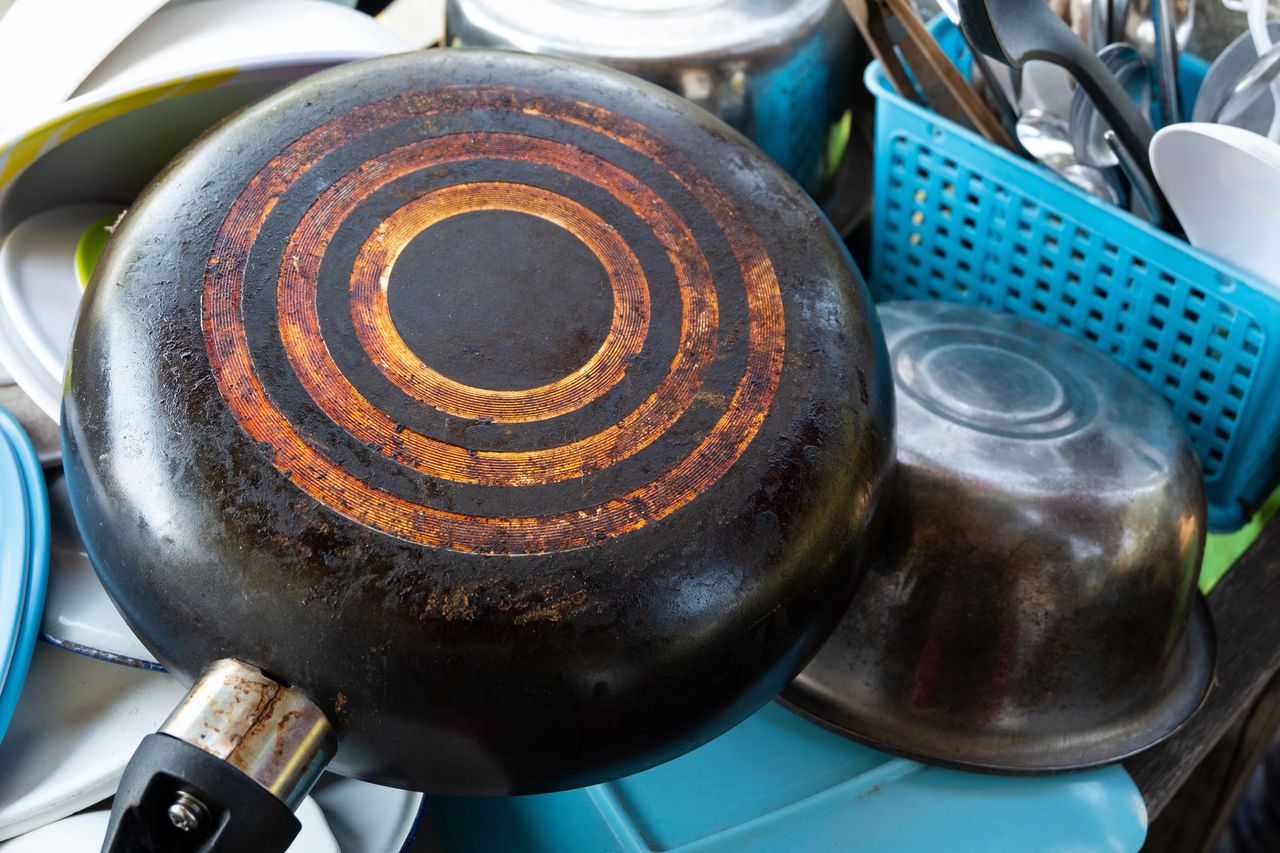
(779,784)
(958,219)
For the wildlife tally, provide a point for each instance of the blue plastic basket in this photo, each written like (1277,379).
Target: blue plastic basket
(961,220)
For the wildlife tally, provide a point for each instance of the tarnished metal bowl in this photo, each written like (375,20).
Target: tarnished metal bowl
(1032,606)
(783,72)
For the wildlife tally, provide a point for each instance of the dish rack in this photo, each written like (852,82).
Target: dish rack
(960,220)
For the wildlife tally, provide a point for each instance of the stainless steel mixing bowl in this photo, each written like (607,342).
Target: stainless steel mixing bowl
(1032,605)
(784,72)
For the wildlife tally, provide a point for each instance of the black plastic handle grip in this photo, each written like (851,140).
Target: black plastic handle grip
(177,798)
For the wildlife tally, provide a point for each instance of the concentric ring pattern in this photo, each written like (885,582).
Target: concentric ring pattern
(316,359)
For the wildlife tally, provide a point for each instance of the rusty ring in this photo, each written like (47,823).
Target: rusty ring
(329,484)
(348,408)
(371,311)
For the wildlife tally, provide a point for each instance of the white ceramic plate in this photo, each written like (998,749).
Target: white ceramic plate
(83,833)
(77,725)
(78,615)
(27,372)
(368,818)
(137,110)
(48,47)
(193,37)
(39,287)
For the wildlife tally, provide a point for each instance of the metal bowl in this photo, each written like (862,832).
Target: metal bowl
(783,72)
(1032,605)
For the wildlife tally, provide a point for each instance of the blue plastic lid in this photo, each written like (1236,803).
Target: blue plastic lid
(779,784)
(24,559)
(14,562)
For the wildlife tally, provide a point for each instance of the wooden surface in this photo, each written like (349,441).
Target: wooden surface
(1246,615)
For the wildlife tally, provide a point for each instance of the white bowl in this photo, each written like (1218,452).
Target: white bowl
(1223,183)
(186,68)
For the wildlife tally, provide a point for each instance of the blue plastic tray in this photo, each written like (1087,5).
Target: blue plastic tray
(24,530)
(780,784)
(961,220)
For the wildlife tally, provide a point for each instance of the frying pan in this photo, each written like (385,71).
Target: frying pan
(482,423)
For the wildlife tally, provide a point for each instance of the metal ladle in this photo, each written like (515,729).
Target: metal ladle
(1045,136)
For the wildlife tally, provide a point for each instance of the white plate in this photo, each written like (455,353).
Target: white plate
(138,110)
(27,372)
(83,833)
(78,615)
(48,47)
(368,818)
(77,725)
(193,37)
(39,287)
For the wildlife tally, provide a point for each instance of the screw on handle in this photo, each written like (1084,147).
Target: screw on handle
(225,771)
(187,812)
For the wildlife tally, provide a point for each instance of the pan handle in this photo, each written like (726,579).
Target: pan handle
(226,770)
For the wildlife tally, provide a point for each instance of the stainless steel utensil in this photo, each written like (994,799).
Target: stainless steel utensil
(1256,83)
(1046,138)
(1032,606)
(1087,124)
(1145,192)
(1099,24)
(1134,22)
(1233,63)
(1163,24)
(1015,31)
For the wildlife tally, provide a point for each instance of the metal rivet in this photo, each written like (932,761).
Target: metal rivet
(187,813)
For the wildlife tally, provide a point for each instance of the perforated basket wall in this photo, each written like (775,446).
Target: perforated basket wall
(960,220)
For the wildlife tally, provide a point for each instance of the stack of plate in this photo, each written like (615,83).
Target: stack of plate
(156,76)
(94,691)
(42,274)
(75,164)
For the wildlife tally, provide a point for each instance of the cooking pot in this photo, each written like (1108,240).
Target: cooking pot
(1032,604)
(482,423)
(784,72)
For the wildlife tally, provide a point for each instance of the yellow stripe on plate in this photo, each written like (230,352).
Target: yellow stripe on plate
(35,142)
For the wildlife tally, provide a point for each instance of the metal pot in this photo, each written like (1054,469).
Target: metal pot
(1032,606)
(502,422)
(783,72)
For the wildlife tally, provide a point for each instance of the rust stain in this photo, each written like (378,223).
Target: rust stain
(553,611)
(311,471)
